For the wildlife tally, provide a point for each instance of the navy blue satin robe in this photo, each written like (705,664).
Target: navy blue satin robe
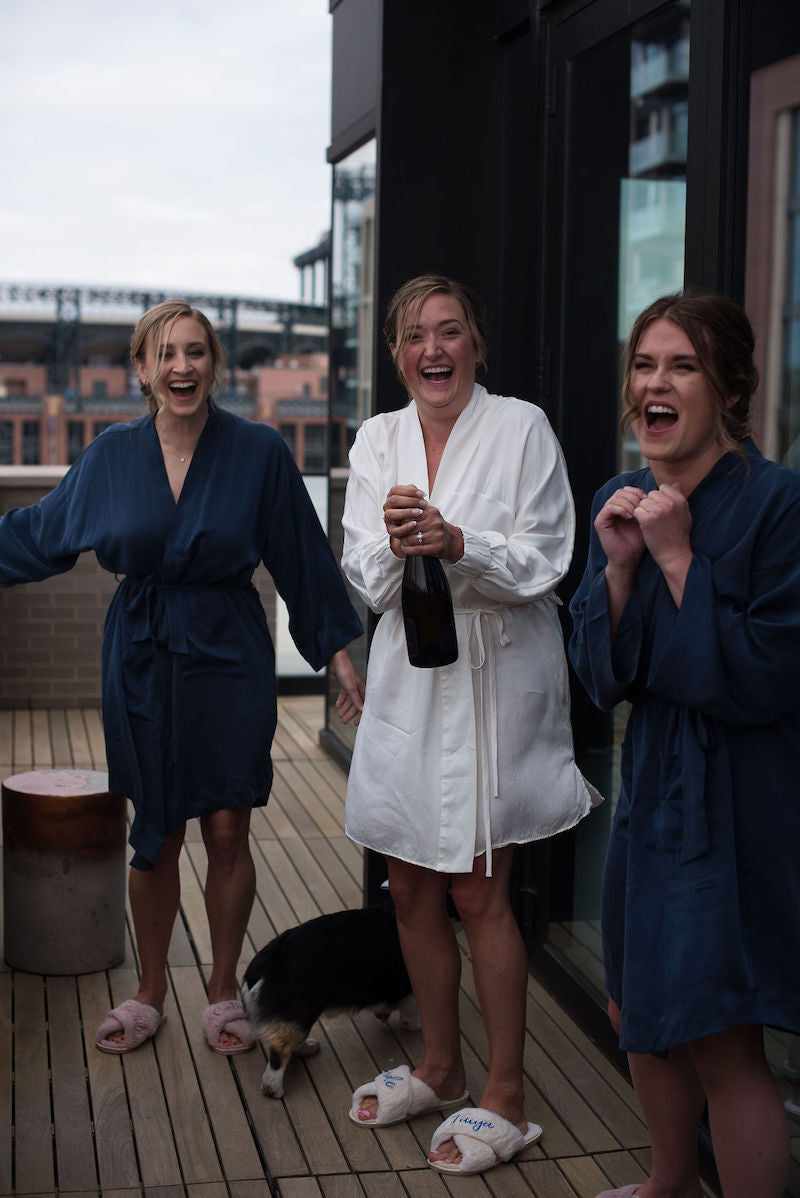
(189,690)
(701,893)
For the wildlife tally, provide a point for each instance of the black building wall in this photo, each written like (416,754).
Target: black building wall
(497,163)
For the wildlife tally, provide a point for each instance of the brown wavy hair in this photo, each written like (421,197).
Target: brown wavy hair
(722,337)
(406,305)
(153,332)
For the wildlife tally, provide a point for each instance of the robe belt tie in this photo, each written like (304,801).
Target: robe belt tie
(695,738)
(482,625)
(155,617)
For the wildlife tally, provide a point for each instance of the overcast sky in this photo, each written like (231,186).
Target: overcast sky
(158,144)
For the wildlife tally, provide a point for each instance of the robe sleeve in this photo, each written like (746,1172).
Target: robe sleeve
(530,562)
(367,560)
(47,538)
(322,619)
(607,674)
(736,657)
(732,649)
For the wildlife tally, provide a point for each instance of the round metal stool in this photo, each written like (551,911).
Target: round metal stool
(63,872)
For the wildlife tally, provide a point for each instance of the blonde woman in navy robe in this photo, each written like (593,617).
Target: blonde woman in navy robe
(456,765)
(182,504)
(690,610)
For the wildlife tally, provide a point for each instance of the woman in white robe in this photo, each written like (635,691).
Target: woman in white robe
(454,766)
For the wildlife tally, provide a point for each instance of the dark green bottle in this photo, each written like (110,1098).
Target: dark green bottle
(428,613)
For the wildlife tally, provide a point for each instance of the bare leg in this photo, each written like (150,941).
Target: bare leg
(748,1123)
(155,895)
(229,893)
(501,973)
(434,966)
(672,1102)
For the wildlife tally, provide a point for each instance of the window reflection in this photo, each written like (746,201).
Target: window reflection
(633,191)
(351,350)
(653,196)
(352,290)
(789,430)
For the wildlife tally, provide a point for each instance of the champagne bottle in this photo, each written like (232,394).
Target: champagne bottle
(428,613)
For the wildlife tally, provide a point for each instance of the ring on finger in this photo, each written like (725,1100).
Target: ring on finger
(419,538)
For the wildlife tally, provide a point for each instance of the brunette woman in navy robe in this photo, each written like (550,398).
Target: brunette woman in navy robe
(182,504)
(690,609)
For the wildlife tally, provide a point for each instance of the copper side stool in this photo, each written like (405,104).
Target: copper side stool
(63,872)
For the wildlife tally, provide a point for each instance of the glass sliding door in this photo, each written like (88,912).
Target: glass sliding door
(624,132)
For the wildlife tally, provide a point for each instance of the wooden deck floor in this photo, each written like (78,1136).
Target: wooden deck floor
(175,1119)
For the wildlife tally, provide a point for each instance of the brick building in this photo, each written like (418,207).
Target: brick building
(65,375)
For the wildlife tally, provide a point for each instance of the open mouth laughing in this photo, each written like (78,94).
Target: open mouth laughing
(183,390)
(437,374)
(659,416)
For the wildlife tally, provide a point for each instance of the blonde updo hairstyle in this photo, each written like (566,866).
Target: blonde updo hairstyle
(406,305)
(152,332)
(722,337)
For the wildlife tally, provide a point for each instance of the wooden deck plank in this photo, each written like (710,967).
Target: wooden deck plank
(193,904)
(342,1185)
(72,1114)
(286,782)
(546,1179)
(318,813)
(380,1185)
(33,1152)
(59,738)
(346,885)
(6,1079)
(299,1187)
(325,895)
(94,733)
(116,1151)
(22,750)
(78,740)
(273,1129)
(42,750)
(293,886)
(6,742)
(604,1171)
(228,1118)
(155,1143)
(194,1141)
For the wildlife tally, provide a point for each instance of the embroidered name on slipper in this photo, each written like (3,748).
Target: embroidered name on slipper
(475,1124)
(390,1080)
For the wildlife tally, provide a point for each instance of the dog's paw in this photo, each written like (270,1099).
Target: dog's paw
(272,1083)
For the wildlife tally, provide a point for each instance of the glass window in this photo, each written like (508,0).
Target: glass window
(789,413)
(653,194)
(75,439)
(6,443)
(352,288)
(315,449)
(625,202)
(30,442)
(289,434)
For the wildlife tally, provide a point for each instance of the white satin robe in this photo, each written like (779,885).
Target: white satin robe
(479,753)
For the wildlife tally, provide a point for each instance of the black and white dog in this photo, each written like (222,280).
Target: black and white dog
(347,961)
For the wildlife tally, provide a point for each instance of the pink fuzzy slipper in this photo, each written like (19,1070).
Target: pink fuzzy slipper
(624,1192)
(136,1020)
(228,1017)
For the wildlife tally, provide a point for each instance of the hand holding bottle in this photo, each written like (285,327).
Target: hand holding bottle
(417,528)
